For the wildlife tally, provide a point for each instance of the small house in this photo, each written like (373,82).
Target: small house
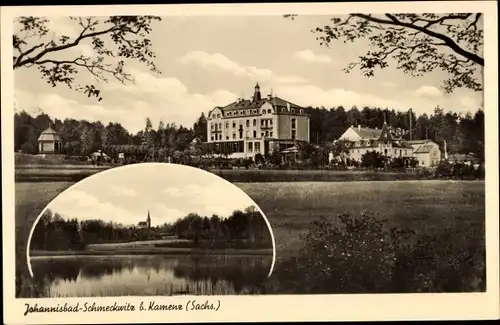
(50,142)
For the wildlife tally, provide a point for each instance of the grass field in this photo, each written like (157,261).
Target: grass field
(424,206)
(427,207)
(72,173)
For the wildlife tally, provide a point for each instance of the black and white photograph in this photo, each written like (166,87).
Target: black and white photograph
(287,153)
(147,230)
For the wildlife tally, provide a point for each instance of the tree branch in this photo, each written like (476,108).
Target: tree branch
(448,41)
(81,37)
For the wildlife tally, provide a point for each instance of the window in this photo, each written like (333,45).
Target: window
(248,123)
(257,146)
(269,111)
(250,146)
(227,125)
(254,122)
(234,124)
(227,137)
(270,134)
(293,124)
(254,134)
(406,152)
(212,138)
(241,134)
(267,133)
(211,126)
(301,111)
(385,152)
(294,133)
(262,134)
(271,122)
(234,136)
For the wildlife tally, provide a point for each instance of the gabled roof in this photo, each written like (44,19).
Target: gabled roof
(49,135)
(367,133)
(426,148)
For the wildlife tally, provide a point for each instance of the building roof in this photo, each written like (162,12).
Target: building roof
(249,104)
(426,148)
(49,135)
(143,223)
(367,133)
(385,133)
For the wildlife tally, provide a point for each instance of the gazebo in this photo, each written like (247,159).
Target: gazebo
(49,142)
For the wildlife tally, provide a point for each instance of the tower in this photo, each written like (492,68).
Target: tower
(148,220)
(256,94)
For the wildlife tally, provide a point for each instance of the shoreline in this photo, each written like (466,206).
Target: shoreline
(152,251)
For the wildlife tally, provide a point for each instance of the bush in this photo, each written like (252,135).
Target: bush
(362,255)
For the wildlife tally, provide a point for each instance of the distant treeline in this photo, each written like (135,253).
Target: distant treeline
(464,133)
(242,229)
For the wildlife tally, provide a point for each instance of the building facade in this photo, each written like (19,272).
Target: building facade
(262,125)
(390,145)
(363,140)
(49,142)
(427,152)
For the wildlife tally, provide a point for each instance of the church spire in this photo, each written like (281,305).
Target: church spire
(148,220)
(256,94)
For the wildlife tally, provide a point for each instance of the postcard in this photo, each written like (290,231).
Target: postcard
(250,162)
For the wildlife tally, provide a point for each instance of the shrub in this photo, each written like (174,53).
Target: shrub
(362,255)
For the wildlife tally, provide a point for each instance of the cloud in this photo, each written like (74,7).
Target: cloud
(161,214)
(309,56)
(218,61)
(82,205)
(315,96)
(153,96)
(173,191)
(469,103)
(429,91)
(122,191)
(214,201)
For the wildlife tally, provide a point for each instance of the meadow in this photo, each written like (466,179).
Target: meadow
(427,207)
(450,213)
(71,173)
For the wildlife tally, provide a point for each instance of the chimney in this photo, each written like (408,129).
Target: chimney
(269,96)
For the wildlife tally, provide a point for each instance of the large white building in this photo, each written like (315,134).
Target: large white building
(381,140)
(390,145)
(258,125)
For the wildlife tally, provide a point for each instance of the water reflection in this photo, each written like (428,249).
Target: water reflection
(89,276)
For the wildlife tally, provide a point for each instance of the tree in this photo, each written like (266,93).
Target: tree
(372,159)
(113,40)
(418,43)
(340,148)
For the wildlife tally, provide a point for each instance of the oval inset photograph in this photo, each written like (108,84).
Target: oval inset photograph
(151,229)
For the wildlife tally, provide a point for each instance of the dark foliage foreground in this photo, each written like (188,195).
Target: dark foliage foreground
(362,255)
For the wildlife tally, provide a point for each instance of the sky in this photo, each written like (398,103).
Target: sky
(208,61)
(169,191)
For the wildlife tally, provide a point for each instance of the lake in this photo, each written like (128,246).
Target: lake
(143,275)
